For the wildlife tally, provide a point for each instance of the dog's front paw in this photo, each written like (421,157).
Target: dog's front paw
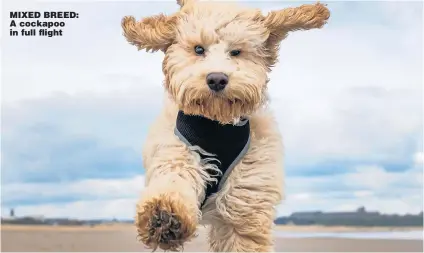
(165,222)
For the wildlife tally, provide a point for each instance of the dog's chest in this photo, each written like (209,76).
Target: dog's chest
(228,143)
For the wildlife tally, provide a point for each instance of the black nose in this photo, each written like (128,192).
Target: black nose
(217,81)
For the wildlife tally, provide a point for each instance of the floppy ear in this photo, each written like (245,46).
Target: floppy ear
(152,33)
(304,17)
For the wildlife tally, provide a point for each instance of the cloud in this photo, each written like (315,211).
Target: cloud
(86,189)
(374,178)
(419,158)
(369,185)
(68,137)
(83,199)
(353,101)
(44,152)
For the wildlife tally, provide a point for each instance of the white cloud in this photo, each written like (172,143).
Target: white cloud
(419,158)
(301,196)
(88,188)
(371,186)
(360,194)
(99,198)
(337,93)
(372,177)
(379,180)
(409,203)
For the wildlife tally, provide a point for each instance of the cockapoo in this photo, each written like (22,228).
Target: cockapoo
(214,155)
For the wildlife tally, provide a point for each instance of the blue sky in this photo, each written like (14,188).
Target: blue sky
(348,99)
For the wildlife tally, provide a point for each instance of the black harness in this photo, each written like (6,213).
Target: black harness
(229,143)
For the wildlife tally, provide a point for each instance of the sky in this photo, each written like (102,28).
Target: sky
(347,98)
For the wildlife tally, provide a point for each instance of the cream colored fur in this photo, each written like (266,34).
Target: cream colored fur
(241,214)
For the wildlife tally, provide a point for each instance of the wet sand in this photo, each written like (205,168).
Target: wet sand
(123,239)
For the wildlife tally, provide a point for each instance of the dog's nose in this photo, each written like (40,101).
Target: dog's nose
(217,81)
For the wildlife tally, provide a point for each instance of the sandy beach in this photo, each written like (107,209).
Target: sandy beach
(122,238)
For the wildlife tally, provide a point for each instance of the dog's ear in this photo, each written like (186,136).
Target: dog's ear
(151,33)
(305,17)
(183,3)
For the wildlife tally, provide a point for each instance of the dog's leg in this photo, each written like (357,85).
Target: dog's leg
(245,211)
(245,206)
(245,231)
(168,212)
(227,237)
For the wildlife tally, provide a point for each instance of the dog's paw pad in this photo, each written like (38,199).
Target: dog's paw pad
(165,227)
(165,223)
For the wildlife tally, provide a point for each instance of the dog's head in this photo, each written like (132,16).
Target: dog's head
(218,55)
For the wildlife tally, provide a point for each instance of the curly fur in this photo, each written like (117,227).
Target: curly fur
(241,214)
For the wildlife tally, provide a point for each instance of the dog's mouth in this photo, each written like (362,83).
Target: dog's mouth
(201,102)
(221,109)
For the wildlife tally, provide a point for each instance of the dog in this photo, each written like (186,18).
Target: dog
(214,155)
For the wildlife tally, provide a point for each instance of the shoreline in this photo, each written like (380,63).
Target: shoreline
(319,228)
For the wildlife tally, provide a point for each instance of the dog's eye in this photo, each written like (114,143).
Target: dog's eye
(235,52)
(199,50)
